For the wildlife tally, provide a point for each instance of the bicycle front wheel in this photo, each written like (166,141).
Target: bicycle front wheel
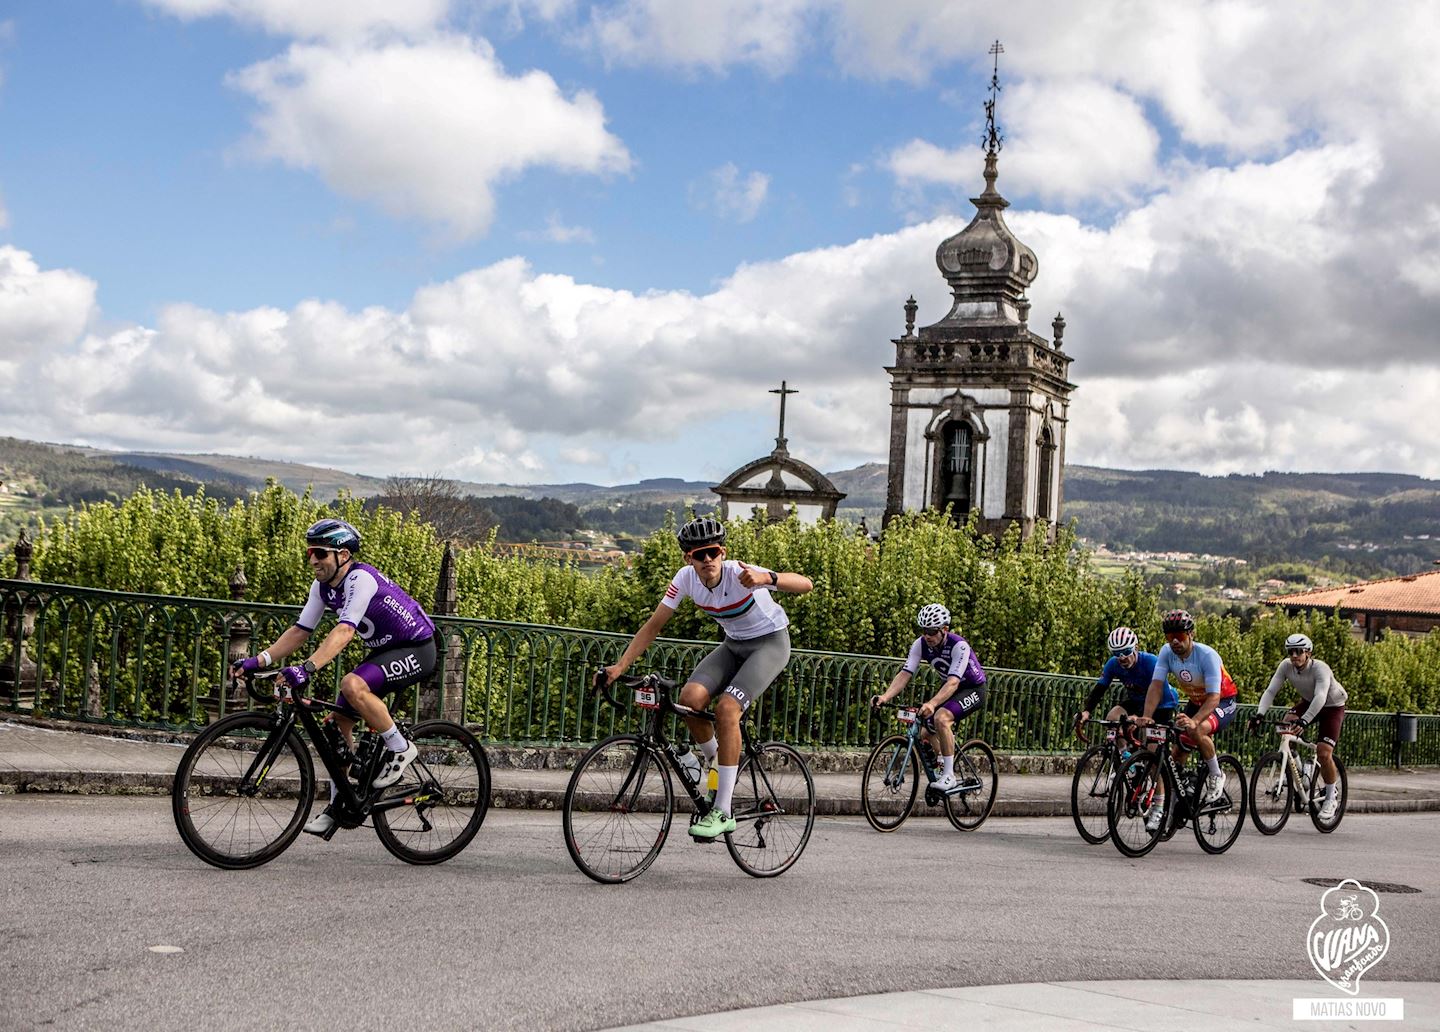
(242,792)
(774,811)
(1317,796)
(890,783)
(1090,793)
(617,809)
(969,804)
(1271,794)
(1139,794)
(446,794)
(1218,822)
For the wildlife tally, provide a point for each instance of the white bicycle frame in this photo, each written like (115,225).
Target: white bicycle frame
(1303,786)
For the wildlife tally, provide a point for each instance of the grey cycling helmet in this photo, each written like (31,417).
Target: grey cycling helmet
(1299,641)
(699,532)
(333,533)
(932,617)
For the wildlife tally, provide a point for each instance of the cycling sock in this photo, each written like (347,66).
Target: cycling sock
(394,740)
(710,748)
(726,788)
(1329,794)
(334,791)
(1214,764)
(947,764)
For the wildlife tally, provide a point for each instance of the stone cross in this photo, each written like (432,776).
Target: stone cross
(783,390)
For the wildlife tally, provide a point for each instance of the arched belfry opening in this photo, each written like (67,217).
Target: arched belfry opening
(978,401)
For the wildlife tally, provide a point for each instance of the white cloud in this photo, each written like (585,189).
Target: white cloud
(40,310)
(427,129)
(557,232)
(729,194)
(316,19)
(705,34)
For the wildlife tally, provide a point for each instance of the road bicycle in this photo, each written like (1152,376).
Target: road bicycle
(891,781)
(1094,772)
(620,801)
(245,785)
(1280,782)
(1150,778)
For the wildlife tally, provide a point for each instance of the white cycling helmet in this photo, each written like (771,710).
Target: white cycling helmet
(932,617)
(1122,640)
(1299,641)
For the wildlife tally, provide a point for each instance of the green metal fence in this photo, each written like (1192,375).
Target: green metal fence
(160,660)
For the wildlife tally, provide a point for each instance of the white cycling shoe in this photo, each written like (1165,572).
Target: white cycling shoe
(945,783)
(320,823)
(1214,786)
(395,766)
(1327,810)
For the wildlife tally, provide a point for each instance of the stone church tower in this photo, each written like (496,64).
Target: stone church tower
(979,402)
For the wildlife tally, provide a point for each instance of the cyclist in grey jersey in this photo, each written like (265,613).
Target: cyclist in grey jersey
(1323,700)
(754,652)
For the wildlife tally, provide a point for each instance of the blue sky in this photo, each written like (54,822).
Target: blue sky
(544,240)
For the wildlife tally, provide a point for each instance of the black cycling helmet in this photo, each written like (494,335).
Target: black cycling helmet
(699,532)
(333,533)
(1177,620)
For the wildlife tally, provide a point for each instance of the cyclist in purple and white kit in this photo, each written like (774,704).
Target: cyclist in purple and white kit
(391,624)
(962,688)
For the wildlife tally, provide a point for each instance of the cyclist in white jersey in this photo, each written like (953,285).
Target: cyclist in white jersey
(754,651)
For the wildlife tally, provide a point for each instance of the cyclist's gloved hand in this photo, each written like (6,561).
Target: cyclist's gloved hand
(1253,724)
(874,702)
(1300,723)
(295,676)
(247,665)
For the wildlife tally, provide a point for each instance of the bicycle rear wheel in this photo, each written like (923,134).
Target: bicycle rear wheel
(1271,794)
(1141,784)
(449,783)
(1317,796)
(617,809)
(975,770)
(890,783)
(1090,793)
(241,793)
(774,811)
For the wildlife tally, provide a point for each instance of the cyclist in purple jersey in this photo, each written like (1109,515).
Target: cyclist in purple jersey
(398,633)
(962,688)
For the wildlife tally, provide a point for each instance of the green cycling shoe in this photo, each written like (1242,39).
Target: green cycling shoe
(713,825)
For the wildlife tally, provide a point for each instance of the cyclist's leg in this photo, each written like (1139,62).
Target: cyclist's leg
(712,674)
(380,673)
(1328,724)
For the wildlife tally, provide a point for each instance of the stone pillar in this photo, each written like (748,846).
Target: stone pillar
(240,629)
(448,686)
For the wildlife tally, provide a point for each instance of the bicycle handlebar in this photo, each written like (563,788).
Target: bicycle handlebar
(1126,719)
(251,678)
(663,686)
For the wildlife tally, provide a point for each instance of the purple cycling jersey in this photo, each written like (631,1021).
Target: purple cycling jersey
(952,657)
(367,600)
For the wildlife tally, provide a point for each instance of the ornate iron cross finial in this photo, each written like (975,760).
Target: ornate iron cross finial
(994,140)
(782,391)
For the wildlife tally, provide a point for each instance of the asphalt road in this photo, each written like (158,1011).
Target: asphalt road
(510,935)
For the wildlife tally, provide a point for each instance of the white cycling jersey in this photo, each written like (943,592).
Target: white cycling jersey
(742,612)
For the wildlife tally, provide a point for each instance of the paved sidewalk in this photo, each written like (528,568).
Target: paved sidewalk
(1184,1006)
(36,758)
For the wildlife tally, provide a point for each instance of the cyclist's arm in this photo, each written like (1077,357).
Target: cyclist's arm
(648,632)
(1096,693)
(1275,683)
(1212,699)
(792,583)
(897,685)
(1152,697)
(334,644)
(290,639)
(951,685)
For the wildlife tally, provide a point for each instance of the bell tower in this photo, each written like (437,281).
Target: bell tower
(978,401)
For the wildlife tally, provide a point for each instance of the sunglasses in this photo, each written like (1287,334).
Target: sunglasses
(1123,653)
(318,553)
(703,555)
(1297,652)
(932,632)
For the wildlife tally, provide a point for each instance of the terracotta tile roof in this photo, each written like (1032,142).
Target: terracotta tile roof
(1417,594)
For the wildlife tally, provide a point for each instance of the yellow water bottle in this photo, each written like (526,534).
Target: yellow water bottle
(712,782)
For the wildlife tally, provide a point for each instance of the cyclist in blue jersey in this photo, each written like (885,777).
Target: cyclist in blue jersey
(962,683)
(754,651)
(1134,670)
(391,624)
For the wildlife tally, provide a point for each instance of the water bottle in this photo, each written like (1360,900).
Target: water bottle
(712,783)
(1309,769)
(689,763)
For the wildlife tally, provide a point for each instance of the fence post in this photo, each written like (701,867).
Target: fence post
(239,646)
(19,625)
(443,695)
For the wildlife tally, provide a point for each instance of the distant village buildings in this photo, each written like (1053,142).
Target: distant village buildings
(1404,605)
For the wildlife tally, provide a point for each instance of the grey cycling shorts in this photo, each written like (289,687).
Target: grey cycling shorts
(744,669)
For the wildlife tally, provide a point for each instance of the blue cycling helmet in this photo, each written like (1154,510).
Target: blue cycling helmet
(332,533)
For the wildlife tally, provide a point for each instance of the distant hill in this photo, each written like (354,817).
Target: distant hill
(1362,523)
